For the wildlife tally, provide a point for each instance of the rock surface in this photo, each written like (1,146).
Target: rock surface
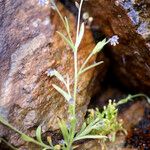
(130,20)
(29,46)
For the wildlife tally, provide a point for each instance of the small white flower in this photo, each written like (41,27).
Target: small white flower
(114,40)
(50,72)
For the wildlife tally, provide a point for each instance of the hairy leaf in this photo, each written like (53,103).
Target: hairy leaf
(67,41)
(99,46)
(64,130)
(38,134)
(91,66)
(62,92)
(80,36)
(27,138)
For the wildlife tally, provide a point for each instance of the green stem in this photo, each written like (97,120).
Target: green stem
(130,97)
(75,82)
(61,17)
(73,125)
(20,133)
(75,77)
(11,146)
(139,95)
(42,145)
(79,16)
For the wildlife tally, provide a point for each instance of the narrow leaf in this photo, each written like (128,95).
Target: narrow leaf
(62,92)
(67,41)
(82,128)
(60,77)
(91,137)
(90,67)
(67,25)
(72,129)
(80,36)
(68,80)
(77,5)
(88,128)
(27,138)
(38,134)
(64,130)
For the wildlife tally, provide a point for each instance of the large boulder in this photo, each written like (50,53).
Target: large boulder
(130,20)
(29,46)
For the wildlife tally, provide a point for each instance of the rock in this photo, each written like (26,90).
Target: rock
(129,19)
(139,136)
(29,47)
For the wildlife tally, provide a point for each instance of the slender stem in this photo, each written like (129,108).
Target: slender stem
(75,80)
(76,57)
(68,31)
(73,128)
(11,146)
(130,97)
(79,16)
(139,95)
(20,133)
(75,76)
(41,144)
(58,12)
(73,113)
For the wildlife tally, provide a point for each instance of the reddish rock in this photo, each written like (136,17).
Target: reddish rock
(29,47)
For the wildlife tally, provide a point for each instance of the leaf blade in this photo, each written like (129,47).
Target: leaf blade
(90,137)
(38,134)
(64,130)
(67,41)
(62,92)
(80,36)
(90,67)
